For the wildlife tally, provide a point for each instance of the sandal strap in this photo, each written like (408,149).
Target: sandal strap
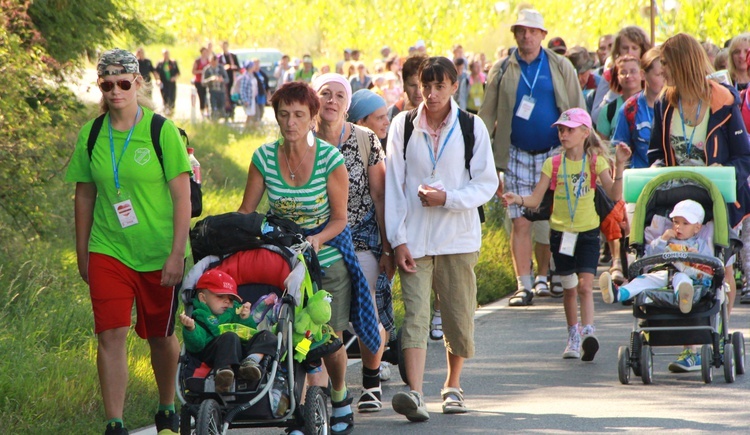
(521,293)
(447,392)
(348,419)
(371,393)
(347,401)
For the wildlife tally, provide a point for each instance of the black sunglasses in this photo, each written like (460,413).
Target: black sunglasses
(125,85)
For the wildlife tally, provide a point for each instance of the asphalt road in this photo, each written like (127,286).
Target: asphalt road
(519,383)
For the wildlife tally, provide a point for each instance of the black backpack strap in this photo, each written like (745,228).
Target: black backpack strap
(466,122)
(96,127)
(611,110)
(409,127)
(157,122)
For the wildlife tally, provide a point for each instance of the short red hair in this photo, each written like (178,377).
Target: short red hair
(296,92)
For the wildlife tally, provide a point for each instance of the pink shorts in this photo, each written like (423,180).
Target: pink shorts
(114,286)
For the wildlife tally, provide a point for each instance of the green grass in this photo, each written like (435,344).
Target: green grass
(49,382)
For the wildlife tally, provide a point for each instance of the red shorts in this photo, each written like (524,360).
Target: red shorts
(113,288)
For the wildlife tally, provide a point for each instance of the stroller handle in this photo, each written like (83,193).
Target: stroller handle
(668,257)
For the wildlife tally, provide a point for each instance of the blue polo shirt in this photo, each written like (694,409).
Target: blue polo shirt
(536,133)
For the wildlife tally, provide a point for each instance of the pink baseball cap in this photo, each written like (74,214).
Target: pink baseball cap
(573,118)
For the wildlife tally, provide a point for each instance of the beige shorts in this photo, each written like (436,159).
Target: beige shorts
(336,281)
(455,284)
(540,232)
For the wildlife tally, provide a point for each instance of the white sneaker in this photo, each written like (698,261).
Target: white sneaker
(411,405)
(685,294)
(589,343)
(385,371)
(573,349)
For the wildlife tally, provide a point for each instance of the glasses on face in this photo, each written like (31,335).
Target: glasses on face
(123,84)
(625,74)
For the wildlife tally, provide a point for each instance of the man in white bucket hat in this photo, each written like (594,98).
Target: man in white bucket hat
(525,95)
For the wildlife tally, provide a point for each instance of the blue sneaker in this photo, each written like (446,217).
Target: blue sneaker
(686,362)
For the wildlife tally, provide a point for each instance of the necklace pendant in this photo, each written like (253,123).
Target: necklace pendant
(291,175)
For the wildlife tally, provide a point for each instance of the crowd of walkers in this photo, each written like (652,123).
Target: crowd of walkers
(386,167)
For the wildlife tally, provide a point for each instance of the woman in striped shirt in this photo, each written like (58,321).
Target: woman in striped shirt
(307,182)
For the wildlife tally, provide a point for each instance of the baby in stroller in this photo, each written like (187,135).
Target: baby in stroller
(684,236)
(216,304)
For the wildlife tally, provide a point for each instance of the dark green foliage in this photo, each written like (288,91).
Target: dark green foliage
(74,27)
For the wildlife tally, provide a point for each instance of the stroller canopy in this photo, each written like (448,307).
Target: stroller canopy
(718,208)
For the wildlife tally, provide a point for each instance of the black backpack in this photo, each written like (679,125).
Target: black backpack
(232,232)
(466,122)
(157,122)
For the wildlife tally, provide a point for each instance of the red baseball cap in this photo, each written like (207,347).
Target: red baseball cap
(219,283)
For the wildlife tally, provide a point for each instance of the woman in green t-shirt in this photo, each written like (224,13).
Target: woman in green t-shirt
(132,217)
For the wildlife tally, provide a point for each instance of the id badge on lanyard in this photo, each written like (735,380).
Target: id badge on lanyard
(123,208)
(526,107)
(126,213)
(568,243)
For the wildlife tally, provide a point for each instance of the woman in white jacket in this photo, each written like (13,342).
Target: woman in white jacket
(433,224)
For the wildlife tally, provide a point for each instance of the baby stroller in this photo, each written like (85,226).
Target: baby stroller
(658,322)
(274,400)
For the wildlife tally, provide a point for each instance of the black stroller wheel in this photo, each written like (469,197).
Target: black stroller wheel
(647,365)
(623,371)
(739,352)
(209,421)
(186,420)
(707,360)
(729,362)
(316,412)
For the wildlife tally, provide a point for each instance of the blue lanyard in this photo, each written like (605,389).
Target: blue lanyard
(579,188)
(695,127)
(440,151)
(536,76)
(116,163)
(341,136)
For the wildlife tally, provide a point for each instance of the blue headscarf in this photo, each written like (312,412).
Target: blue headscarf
(364,102)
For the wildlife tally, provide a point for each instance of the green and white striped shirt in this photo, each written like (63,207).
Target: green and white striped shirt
(306,205)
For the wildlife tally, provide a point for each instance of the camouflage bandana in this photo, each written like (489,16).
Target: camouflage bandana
(117,56)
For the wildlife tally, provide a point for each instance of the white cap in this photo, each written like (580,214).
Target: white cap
(691,210)
(419,44)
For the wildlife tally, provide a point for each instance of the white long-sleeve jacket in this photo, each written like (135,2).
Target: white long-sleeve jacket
(455,227)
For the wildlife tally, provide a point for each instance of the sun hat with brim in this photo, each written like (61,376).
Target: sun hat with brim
(529,18)
(574,118)
(117,57)
(218,283)
(581,59)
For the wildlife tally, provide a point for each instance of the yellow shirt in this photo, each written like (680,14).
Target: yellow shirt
(584,217)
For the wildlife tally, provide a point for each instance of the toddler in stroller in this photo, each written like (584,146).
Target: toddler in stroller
(695,312)
(267,391)
(684,236)
(216,306)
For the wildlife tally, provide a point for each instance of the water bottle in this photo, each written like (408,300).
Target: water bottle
(279,395)
(195,166)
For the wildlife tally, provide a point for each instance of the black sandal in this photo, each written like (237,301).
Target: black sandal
(521,298)
(348,418)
